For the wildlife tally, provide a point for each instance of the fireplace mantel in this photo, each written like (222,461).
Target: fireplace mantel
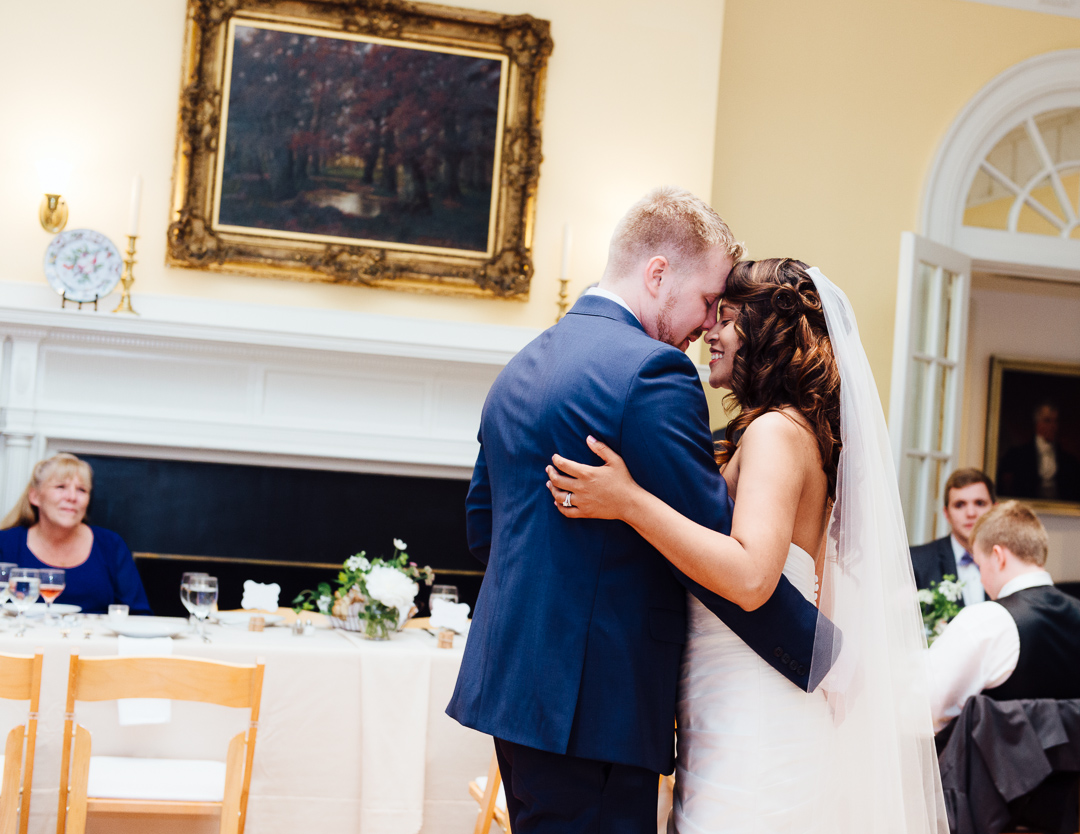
(211,380)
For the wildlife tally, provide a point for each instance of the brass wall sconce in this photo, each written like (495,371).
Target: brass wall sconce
(53,213)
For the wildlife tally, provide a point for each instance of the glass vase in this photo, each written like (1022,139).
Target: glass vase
(375,628)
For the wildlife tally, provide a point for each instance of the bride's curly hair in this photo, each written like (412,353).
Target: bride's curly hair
(786,358)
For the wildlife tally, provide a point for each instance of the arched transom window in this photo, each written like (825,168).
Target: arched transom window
(1030,180)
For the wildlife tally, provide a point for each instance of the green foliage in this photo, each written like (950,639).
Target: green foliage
(939,604)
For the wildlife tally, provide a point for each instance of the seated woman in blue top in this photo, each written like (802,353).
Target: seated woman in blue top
(46,529)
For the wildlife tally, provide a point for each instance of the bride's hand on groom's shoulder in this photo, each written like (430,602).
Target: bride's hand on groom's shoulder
(594,491)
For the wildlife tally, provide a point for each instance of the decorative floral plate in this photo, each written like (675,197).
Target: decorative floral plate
(82,265)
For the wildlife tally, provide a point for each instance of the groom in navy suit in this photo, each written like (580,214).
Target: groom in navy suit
(573,657)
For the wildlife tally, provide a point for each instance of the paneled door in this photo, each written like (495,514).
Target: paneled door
(929,343)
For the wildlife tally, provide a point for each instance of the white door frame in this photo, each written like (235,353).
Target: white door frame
(1045,82)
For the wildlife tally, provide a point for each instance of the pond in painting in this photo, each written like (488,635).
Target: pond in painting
(340,137)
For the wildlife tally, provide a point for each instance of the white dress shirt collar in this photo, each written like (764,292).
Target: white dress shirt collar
(608,294)
(967,575)
(1035,579)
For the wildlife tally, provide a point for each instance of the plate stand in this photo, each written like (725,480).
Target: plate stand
(64,300)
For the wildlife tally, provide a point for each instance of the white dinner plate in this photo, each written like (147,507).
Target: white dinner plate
(38,609)
(230,618)
(147,626)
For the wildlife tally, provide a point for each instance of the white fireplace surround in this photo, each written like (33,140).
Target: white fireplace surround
(197,379)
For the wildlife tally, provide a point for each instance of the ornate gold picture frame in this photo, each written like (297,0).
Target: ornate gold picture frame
(1033,433)
(374,142)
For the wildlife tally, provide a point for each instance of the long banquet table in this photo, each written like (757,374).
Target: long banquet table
(352,736)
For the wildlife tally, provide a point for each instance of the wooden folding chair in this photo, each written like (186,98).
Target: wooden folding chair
(20,680)
(487,790)
(176,678)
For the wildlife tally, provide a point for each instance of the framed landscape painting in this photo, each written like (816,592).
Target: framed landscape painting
(380,143)
(1033,433)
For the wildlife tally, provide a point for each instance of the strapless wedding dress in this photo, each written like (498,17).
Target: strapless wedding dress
(750,743)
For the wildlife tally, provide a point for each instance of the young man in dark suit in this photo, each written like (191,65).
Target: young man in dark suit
(969,493)
(1025,643)
(573,655)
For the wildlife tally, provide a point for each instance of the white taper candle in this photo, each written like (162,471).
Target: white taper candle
(136,201)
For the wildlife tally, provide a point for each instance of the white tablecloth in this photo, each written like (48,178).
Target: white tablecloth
(352,738)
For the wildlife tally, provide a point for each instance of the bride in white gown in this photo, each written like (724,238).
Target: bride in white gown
(807,463)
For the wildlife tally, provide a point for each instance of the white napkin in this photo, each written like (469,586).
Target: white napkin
(260,596)
(451,615)
(144,710)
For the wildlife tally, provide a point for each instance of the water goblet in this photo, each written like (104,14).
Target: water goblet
(5,572)
(24,585)
(447,592)
(185,584)
(52,585)
(202,594)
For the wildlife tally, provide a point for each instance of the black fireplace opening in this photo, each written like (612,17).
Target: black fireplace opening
(275,524)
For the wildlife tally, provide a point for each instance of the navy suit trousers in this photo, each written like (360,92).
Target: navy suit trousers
(550,793)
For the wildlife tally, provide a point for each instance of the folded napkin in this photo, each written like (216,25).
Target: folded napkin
(260,596)
(451,615)
(144,710)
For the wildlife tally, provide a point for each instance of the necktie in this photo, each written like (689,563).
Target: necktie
(967,560)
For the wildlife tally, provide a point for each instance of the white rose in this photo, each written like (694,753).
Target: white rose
(926,597)
(392,588)
(357,562)
(952,591)
(323,603)
(400,545)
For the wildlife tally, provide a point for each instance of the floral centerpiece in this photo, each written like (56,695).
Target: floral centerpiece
(374,596)
(939,604)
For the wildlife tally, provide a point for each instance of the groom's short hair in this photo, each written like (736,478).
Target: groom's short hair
(671,222)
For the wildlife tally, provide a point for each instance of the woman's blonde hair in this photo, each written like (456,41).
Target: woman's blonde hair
(59,467)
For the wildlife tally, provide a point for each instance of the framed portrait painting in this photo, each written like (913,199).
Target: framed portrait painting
(1033,433)
(375,142)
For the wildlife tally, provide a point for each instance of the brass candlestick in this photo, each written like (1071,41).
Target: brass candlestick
(127,279)
(563,283)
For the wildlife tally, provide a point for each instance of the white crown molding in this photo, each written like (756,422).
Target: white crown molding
(1045,82)
(1065,8)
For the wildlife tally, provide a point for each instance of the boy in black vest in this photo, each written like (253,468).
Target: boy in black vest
(1023,644)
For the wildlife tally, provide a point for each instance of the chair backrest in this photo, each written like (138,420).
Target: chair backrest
(176,678)
(20,680)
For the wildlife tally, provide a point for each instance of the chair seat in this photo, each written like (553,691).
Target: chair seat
(186,780)
(500,800)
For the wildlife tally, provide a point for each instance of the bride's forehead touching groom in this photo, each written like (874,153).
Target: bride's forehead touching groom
(573,657)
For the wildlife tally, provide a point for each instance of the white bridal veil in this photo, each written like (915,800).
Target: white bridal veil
(880,774)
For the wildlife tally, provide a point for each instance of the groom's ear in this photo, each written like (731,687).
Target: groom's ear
(656,271)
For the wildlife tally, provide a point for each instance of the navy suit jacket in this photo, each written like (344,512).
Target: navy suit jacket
(579,627)
(932,561)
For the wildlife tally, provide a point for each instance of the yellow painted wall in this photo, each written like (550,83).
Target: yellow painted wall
(631,104)
(831,112)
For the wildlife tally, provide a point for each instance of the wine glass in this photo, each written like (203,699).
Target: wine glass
(202,594)
(5,572)
(24,585)
(185,584)
(52,585)
(447,592)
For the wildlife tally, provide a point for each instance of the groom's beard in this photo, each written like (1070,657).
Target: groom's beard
(663,323)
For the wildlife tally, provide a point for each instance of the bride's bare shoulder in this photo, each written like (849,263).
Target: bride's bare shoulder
(784,424)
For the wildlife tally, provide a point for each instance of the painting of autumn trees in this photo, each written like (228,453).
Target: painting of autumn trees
(359,140)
